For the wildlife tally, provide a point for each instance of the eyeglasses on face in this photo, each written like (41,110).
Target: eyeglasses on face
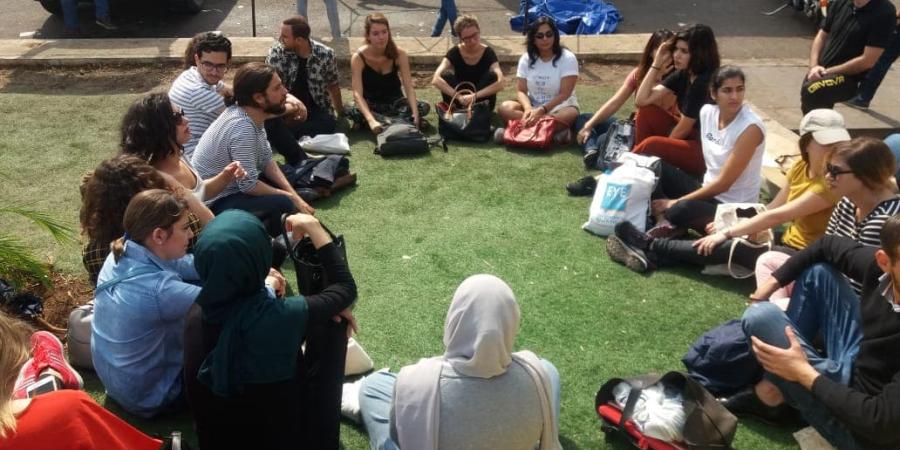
(834,171)
(214,67)
(548,35)
(470,37)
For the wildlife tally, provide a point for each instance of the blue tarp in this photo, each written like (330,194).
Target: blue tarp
(571,16)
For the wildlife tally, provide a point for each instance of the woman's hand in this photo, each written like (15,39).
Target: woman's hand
(300,225)
(663,56)
(375,126)
(352,326)
(465,99)
(532,115)
(583,135)
(417,121)
(659,207)
(234,171)
(707,244)
(711,228)
(276,280)
(301,205)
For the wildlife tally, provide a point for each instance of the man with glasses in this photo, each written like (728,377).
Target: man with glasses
(309,72)
(199,91)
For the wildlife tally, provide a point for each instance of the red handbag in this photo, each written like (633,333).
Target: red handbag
(537,136)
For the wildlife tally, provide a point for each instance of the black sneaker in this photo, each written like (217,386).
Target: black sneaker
(629,234)
(583,187)
(857,103)
(106,23)
(622,253)
(745,403)
(590,158)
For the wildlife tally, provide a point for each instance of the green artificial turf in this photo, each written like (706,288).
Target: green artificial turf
(415,228)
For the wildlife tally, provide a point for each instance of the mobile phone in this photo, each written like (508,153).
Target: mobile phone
(44,385)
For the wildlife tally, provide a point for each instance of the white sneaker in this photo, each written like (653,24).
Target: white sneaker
(350,401)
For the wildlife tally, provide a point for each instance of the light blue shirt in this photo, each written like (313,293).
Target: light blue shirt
(136,334)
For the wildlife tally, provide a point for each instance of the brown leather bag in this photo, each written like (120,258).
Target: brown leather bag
(708,425)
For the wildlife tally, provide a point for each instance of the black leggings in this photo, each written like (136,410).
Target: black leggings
(675,183)
(487,79)
(825,92)
(671,251)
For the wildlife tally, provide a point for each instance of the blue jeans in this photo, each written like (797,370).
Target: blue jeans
(334,21)
(70,11)
(598,133)
(447,12)
(822,302)
(377,393)
(879,70)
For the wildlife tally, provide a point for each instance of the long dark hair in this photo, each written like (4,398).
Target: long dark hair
(531,47)
(656,39)
(106,191)
(704,50)
(149,128)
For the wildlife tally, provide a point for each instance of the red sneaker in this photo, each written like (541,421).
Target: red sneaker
(46,353)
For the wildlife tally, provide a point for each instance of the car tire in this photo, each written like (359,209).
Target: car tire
(184,6)
(52,6)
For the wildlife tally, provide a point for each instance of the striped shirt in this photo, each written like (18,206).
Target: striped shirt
(200,102)
(868,231)
(233,137)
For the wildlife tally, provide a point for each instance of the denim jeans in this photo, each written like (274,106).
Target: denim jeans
(447,12)
(822,302)
(268,208)
(879,70)
(598,133)
(70,11)
(334,21)
(377,393)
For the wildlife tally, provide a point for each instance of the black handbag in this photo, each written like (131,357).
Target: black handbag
(402,138)
(707,426)
(311,275)
(619,140)
(472,123)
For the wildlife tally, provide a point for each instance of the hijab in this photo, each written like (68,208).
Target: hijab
(260,336)
(479,333)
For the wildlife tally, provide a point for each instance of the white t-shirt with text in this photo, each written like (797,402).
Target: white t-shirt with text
(544,78)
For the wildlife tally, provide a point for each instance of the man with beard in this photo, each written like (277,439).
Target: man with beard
(238,135)
(308,70)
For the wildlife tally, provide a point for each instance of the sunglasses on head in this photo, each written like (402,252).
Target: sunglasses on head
(834,171)
(548,34)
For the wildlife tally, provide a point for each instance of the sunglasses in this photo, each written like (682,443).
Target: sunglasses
(834,171)
(469,37)
(214,67)
(178,115)
(548,35)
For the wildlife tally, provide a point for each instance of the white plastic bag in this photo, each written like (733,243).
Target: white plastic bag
(623,194)
(333,144)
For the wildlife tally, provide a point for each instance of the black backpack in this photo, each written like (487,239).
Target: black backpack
(401,138)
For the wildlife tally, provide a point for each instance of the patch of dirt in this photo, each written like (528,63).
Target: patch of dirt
(66,293)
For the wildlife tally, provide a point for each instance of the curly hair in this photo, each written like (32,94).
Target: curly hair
(206,42)
(106,191)
(531,46)
(149,128)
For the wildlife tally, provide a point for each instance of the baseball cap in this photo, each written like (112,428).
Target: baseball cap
(826,125)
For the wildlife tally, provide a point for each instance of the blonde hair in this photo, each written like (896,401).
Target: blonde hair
(14,334)
(465,21)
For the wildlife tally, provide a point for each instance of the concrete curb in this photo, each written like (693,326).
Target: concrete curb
(422,51)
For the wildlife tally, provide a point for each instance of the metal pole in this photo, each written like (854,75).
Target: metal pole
(253,15)
(525,22)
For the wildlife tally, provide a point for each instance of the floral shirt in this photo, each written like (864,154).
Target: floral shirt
(320,66)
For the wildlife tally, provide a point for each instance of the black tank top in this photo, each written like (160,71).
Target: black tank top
(379,87)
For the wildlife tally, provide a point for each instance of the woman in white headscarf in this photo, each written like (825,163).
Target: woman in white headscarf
(478,394)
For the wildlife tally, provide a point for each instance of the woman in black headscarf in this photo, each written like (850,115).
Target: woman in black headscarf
(248,382)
